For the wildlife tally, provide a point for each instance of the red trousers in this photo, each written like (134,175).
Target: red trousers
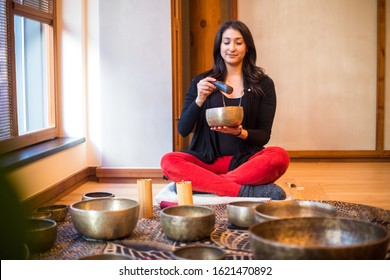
(263,167)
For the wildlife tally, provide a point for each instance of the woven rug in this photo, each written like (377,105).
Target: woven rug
(148,242)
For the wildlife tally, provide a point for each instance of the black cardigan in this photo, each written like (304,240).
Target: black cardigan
(259,113)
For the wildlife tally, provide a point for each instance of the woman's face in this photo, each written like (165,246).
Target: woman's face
(233,47)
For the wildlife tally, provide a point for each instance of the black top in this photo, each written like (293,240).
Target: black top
(259,113)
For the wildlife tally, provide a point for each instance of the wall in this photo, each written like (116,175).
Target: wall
(322,57)
(136,82)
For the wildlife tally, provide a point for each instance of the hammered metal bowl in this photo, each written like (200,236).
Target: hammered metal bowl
(39,215)
(198,252)
(242,213)
(107,257)
(58,211)
(94,195)
(225,116)
(187,222)
(105,218)
(318,238)
(40,234)
(293,208)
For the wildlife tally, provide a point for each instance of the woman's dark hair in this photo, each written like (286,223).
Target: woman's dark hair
(252,73)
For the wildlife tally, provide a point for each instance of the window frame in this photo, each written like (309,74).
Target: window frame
(16,141)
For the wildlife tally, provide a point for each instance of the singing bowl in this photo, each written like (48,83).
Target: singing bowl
(187,222)
(242,213)
(39,215)
(225,116)
(58,211)
(198,252)
(293,208)
(40,234)
(105,218)
(94,195)
(106,257)
(319,238)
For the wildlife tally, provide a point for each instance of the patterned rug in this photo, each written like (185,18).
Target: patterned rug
(149,242)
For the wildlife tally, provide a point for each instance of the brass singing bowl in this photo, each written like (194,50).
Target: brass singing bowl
(242,213)
(319,238)
(293,208)
(107,257)
(39,215)
(58,211)
(198,252)
(105,218)
(40,234)
(94,195)
(225,116)
(187,222)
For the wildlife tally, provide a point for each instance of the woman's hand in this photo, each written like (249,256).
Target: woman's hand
(205,88)
(236,131)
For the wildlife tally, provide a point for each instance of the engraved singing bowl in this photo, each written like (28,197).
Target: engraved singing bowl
(242,213)
(39,215)
(58,211)
(225,116)
(94,195)
(293,208)
(105,218)
(318,238)
(198,252)
(107,257)
(40,234)
(187,222)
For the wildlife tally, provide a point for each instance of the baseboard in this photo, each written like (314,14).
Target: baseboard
(340,156)
(61,189)
(127,175)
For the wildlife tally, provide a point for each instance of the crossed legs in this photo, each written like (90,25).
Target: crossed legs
(263,167)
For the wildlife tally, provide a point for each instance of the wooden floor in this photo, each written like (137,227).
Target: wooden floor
(356,182)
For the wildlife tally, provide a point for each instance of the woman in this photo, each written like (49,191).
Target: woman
(230,161)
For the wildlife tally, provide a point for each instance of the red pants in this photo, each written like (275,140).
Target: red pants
(263,167)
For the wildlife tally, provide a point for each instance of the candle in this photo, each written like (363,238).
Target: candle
(145,198)
(184,193)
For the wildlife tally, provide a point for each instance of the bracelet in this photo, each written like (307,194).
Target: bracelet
(238,134)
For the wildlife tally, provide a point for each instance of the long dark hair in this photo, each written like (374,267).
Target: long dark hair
(252,73)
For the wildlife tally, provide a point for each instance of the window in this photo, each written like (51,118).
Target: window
(27,89)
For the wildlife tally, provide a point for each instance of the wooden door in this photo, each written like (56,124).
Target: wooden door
(201,20)
(205,18)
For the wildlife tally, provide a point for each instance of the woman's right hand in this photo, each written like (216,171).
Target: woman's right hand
(205,88)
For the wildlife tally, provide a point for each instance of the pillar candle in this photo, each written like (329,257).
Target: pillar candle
(145,198)
(184,193)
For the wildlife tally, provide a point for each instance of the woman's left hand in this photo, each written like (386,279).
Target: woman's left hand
(227,129)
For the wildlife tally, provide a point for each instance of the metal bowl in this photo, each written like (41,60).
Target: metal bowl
(225,116)
(318,238)
(107,257)
(242,213)
(40,234)
(105,218)
(293,208)
(198,252)
(39,215)
(58,211)
(94,195)
(187,222)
